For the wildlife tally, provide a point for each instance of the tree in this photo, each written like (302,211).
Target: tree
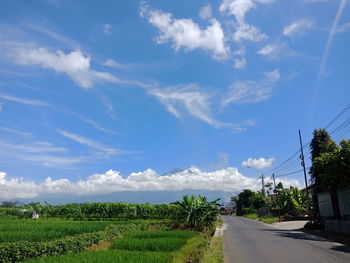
(321,143)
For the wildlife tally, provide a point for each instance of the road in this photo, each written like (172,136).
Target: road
(249,241)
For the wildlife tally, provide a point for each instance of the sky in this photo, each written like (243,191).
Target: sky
(104,96)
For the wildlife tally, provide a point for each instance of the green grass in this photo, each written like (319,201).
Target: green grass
(12,230)
(192,251)
(149,244)
(160,234)
(268,220)
(215,251)
(115,256)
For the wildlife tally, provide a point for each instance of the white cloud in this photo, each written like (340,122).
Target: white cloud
(109,106)
(276,51)
(75,64)
(43,153)
(190,98)
(40,103)
(24,100)
(343,28)
(240,63)
(260,163)
(90,143)
(205,13)
(239,8)
(186,34)
(228,179)
(15,131)
(113,64)
(316,1)
(298,27)
(252,90)
(107,28)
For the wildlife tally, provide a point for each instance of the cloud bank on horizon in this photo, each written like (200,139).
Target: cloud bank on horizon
(228,179)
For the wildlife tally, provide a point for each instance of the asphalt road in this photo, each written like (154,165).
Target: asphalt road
(249,241)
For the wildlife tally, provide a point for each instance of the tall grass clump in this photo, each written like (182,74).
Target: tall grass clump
(149,244)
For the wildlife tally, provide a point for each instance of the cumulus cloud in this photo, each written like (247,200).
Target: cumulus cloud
(252,90)
(276,51)
(189,98)
(298,27)
(239,9)
(75,64)
(186,34)
(228,179)
(260,163)
(205,12)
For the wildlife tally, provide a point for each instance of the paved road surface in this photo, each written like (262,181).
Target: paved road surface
(249,241)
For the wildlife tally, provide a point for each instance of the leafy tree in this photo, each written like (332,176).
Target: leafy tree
(244,200)
(321,143)
(197,212)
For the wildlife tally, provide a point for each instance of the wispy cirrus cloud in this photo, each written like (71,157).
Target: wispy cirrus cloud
(239,9)
(276,51)
(15,131)
(186,34)
(252,91)
(190,98)
(40,103)
(298,28)
(107,150)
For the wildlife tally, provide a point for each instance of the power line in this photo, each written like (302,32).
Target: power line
(281,175)
(338,116)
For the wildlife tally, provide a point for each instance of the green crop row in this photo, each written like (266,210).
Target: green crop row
(12,230)
(160,234)
(18,251)
(116,256)
(99,210)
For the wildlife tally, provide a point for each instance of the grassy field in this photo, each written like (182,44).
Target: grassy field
(12,230)
(108,256)
(134,246)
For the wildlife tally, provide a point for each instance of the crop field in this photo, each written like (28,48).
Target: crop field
(12,230)
(134,246)
(108,256)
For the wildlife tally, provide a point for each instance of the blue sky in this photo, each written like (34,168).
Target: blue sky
(88,87)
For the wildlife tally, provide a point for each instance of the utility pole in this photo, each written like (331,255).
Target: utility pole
(262,184)
(276,193)
(302,159)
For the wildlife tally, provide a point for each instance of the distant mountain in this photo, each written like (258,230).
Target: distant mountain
(152,197)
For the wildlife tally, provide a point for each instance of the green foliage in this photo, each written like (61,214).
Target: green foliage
(197,212)
(149,244)
(18,251)
(108,256)
(321,143)
(12,230)
(99,210)
(334,167)
(160,234)
(248,201)
(214,253)
(293,201)
(192,251)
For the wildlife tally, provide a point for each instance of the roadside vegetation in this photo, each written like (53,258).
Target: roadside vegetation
(180,232)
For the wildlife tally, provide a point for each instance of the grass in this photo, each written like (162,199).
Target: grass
(12,230)
(115,256)
(215,251)
(268,220)
(160,234)
(149,244)
(192,251)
